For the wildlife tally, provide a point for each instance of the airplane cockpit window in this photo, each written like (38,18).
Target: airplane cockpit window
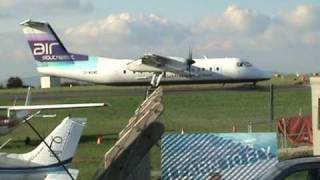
(244,64)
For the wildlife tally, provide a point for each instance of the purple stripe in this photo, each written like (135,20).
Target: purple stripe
(40,37)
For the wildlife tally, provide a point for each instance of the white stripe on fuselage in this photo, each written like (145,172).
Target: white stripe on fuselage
(114,71)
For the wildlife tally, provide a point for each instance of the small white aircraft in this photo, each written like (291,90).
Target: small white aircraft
(15,115)
(42,162)
(54,59)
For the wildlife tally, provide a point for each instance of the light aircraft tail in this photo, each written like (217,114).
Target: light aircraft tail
(46,45)
(20,114)
(63,140)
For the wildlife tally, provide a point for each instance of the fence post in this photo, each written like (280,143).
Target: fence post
(271,107)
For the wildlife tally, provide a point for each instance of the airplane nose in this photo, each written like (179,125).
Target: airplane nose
(267,74)
(260,74)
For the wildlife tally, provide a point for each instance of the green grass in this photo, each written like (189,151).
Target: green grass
(203,111)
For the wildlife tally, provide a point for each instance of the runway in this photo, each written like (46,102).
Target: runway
(140,91)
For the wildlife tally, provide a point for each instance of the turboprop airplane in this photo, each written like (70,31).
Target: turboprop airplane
(54,59)
(15,115)
(44,163)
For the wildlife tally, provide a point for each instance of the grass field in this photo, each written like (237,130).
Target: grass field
(212,109)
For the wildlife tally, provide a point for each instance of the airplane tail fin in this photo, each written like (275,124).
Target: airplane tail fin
(63,140)
(44,43)
(21,114)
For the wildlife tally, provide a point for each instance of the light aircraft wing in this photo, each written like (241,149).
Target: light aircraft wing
(62,175)
(157,63)
(53,106)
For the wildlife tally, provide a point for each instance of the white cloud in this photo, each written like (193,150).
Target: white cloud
(237,32)
(305,17)
(134,33)
(113,25)
(245,20)
(237,20)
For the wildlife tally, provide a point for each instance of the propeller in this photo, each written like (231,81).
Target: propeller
(189,61)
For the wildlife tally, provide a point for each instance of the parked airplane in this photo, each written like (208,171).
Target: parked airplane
(55,60)
(15,115)
(41,163)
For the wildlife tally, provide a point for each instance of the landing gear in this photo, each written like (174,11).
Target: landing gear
(155,80)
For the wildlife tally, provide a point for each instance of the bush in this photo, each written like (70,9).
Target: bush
(14,82)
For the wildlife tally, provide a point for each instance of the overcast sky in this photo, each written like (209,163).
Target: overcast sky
(276,35)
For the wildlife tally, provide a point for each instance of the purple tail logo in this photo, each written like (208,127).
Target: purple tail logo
(44,48)
(49,51)
(45,44)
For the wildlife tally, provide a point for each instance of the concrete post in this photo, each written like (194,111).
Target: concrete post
(315,101)
(49,81)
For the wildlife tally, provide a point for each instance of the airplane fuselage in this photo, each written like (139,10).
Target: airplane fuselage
(15,167)
(54,59)
(115,72)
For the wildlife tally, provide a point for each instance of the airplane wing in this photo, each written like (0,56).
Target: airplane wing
(53,106)
(62,175)
(157,63)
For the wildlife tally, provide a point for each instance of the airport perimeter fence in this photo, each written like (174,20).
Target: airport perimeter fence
(261,114)
(234,110)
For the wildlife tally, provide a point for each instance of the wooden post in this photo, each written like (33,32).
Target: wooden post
(128,159)
(285,133)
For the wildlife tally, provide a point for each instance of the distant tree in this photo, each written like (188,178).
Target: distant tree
(14,82)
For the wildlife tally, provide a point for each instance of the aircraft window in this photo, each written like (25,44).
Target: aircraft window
(239,64)
(245,63)
(203,69)
(124,71)
(217,68)
(210,68)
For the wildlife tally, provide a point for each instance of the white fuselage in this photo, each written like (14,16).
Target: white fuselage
(16,167)
(41,163)
(115,72)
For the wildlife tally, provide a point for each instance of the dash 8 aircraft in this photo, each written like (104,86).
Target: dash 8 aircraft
(54,59)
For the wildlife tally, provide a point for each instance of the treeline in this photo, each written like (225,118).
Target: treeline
(13,82)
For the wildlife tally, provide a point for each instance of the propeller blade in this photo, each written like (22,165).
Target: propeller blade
(190,61)
(190,53)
